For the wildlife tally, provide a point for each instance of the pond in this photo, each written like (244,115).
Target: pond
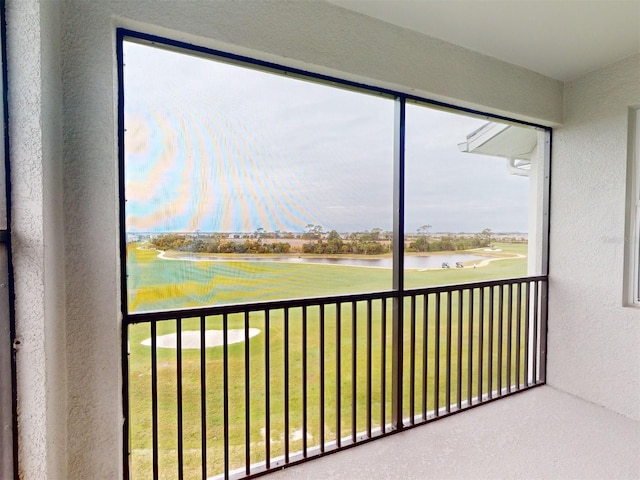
(410,261)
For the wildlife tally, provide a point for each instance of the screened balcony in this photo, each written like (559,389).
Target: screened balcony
(567,66)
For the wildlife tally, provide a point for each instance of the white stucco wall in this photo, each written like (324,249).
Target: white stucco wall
(593,340)
(35,104)
(78,106)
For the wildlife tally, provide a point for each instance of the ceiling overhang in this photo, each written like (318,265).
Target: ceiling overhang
(560,39)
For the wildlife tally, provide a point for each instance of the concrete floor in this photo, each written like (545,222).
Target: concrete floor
(540,433)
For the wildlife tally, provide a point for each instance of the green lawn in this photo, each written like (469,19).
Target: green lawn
(160,284)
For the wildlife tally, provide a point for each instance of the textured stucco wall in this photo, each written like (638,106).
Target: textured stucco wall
(35,103)
(593,340)
(311,35)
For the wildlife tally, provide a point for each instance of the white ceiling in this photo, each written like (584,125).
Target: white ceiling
(562,39)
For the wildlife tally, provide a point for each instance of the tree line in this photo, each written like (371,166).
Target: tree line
(448,243)
(367,243)
(374,242)
(186,243)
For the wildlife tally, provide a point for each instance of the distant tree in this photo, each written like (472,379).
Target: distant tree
(313,231)
(420,244)
(226,246)
(424,229)
(486,236)
(308,248)
(448,243)
(334,242)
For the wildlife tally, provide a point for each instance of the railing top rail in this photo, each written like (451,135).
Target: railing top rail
(254,307)
(469,285)
(160,315)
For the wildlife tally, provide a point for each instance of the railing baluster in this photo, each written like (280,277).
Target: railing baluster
(536,296)
(154,398)
(518,333)
(369,336)
(397,363)
(247,397)
(322,372)
(500,335)
(544,295)
(383,367)
(436,368)
(305,405)
(459,363)
(490,353)
(509,334)
(225,396)
(287,433)
(425,354)
(448,354)
(470,351)
(179,397)
(338,376)
(526,333)
(412,362)
(354,370)
(267,391)
(480,343)
(203,394)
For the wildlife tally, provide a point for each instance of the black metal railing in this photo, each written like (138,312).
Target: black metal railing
(234,391)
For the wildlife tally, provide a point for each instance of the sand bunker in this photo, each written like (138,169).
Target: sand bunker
(191,338)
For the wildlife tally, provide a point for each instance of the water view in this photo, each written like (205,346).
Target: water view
(419,262)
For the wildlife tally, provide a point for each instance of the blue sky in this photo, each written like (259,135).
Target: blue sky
(215,147)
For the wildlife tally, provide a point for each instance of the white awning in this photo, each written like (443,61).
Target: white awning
(516,144)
